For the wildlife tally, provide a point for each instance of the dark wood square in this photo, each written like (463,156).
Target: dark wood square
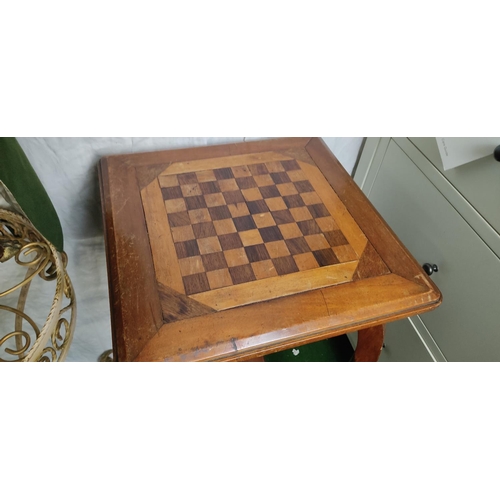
(257,207)
(196,283)
(280,177)
(309,227)
(285,265)
(223,173)
(297,246)
(172,193)
(289,165)
(326,257)
(242,274)
(179,219)
(195,202)
(233,197)
(318,211)
(336,238)
(187,249)
(209,187)
(271,233)
(230,241)
(282,217)
(214,261)
(257,253)
(304,187)
(269,192)
(246,182)
(245,223)
(294,201)
(204,230)
(220,213)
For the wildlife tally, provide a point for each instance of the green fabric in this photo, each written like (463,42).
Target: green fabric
(337,349)
(20,178)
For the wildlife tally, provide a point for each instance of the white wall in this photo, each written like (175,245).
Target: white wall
(67,168)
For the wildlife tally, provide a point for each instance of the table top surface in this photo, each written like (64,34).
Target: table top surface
(236,251)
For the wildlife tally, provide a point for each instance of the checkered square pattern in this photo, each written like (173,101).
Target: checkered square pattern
(242,224)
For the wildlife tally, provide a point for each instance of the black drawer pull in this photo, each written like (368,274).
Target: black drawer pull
(496,154)
(430,269)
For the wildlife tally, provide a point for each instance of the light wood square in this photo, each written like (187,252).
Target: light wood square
(191,265)
(287,189)
(239,210)
(263,220)
(300,214)
(317,242)
(306,261)
(241,171)
(264,269)
(290,231)
(250,238)
(174,206)
(168,181)
(191,190)
(274,166)
(277,249)
(263,180)
(206,176)
(219,279)
(345,253)
(209,245)
(184,233)
(327,224)
(228,185)
(252,194)
(311,198)
(200,215)
(296,175)
(236,257)
(276,204)
(225,226)
(214,200)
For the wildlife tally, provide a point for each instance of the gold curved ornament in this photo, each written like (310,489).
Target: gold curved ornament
(106,356)
(24,245)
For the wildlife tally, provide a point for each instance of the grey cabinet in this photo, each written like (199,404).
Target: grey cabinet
(429,211)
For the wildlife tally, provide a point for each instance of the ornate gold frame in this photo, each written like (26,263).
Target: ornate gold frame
(19,240)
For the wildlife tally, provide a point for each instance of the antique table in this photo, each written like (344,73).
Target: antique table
(233,252)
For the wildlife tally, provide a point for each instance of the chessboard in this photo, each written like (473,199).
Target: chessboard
(246,229)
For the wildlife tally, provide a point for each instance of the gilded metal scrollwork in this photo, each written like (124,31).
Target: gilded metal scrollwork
(21,243)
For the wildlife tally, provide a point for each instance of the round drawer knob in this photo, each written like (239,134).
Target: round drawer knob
(430,269)
(496,154)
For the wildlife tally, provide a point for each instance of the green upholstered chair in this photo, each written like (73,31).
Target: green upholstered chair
(31,239)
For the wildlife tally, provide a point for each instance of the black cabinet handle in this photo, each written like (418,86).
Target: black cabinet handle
(496,153)
(430,269)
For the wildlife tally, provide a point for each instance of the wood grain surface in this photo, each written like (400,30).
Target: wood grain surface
(232,252)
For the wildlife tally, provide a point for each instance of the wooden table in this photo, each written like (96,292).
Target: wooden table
(233,252)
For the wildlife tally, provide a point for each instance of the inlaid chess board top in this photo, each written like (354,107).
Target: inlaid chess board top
(237,250)
(256,228)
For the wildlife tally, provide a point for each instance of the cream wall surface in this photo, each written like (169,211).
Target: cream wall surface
(67,168)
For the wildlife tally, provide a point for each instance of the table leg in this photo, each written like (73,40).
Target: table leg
(370,342)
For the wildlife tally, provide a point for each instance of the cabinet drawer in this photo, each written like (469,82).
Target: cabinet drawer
(466,327)
(402,343)
(477,181)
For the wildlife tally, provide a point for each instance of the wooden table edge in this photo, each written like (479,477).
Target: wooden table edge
(324,334)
